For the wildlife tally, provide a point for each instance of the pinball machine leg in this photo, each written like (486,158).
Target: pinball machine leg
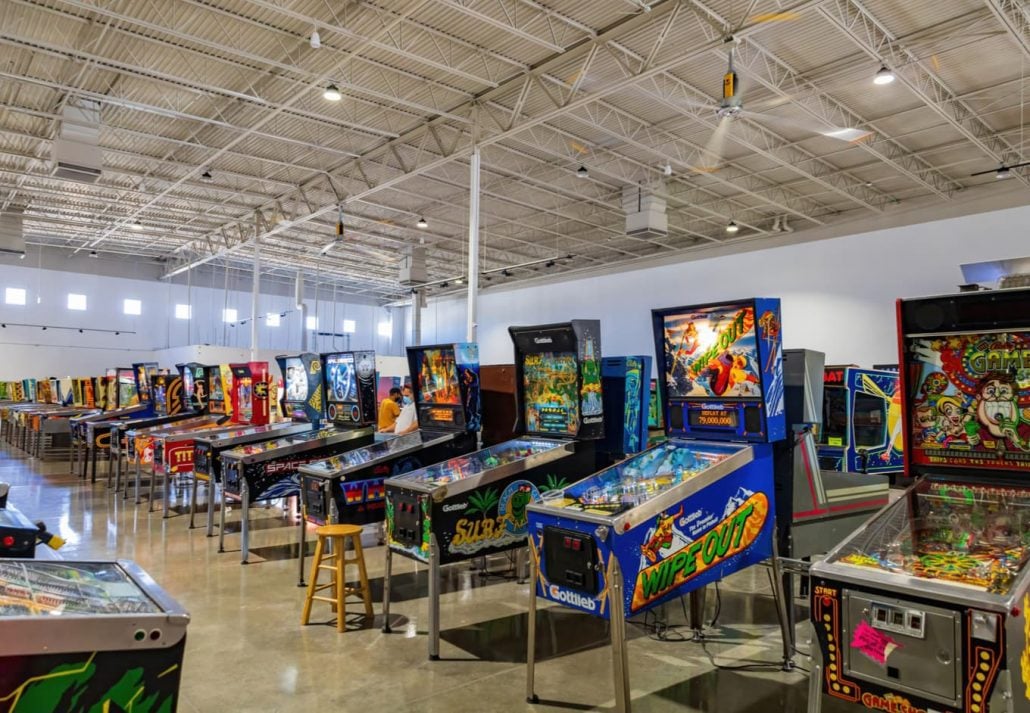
(697,612)
(434,599)
(166,491)
(531,696)
(302,539)
(387,572)
(245,522)
(617,625)
(93,466)
(139,475)
(150,490)
(193,500)
(212,489)
(118,472)
(815,683)
(221,521)
(782,602)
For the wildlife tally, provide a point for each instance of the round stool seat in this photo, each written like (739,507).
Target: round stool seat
(339,531)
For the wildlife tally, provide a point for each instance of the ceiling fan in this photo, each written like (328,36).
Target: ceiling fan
(1003,171)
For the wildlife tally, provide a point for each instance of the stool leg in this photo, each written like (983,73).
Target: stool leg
(366,594)
(306,614)
(386,589)
(341,588)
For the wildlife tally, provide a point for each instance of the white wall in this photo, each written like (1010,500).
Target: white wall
(838,295)
(31,351)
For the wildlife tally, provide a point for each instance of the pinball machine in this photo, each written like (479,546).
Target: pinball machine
(684,513)
(475,505)
(924,608)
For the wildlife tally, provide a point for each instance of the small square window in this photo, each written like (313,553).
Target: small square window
(312,323)
(229,315)
(183,311)
(386,329)
(132,307)
(14,296)
(273,319)
(76,302)
(349,326)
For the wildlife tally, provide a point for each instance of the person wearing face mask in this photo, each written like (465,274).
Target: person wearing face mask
(389,410)
(408,419)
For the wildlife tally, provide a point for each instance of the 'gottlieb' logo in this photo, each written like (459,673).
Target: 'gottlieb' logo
(593,419)
(542,340)
(574,598)
(454,507)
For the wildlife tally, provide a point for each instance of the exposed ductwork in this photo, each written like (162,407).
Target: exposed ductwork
(12,233)
(413,267)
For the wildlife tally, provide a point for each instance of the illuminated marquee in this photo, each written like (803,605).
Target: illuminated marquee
(742,323)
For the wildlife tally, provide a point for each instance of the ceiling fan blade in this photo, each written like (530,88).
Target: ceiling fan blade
(847,134)
(711,156)
(995,170)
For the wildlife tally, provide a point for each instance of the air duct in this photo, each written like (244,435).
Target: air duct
(76,152)
(413,267)
(645,211)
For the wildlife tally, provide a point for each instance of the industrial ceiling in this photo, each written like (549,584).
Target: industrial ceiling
(218,125)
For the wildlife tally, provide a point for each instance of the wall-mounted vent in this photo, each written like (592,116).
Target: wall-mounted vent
(12,234)
(645,212)
(76,152)
(413,267)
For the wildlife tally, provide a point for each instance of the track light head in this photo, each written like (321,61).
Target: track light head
(316,40)
(206,176)
(732,228)
(459,281)
(550,263)
(445,284)
(117,333)
(582,172)
(883,76)
(667,170)
(332,93)
(1003,173)
(506,273)
(22,256)
(422,223)
(136,225)
(93,253)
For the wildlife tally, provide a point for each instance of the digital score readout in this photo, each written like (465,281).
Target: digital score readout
(713,418)
(553,419)
(440,415)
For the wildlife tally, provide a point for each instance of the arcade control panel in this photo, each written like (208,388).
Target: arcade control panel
(571,559)
(17,535)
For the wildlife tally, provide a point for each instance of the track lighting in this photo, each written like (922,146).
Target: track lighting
(549,263)
(667,169)
(732,228)
(137,225)
(785,226)
(117,334)
(582,172)
(459,281)
(316,40)
(332,93)
(776,225)
(44,329)
(422,223)
(80,331)
(22,256)
(506,273)
(445,284)
(883,76)
(93,253)
(206,176)
(1002,172)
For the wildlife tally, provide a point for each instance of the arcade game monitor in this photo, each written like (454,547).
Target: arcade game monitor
(302,393)
(350,388)
(93,636)
(219,389)
(689,511)
(927,603)
(474,505)
(861,427)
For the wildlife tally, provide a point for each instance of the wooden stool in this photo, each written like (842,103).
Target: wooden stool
(337,557)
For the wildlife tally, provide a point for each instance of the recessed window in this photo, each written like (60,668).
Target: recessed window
(272,319)
(386,329)
(229,315)
(183,311)
(14,296)
(349,326)
(133,307)
(76,302)
(312,322)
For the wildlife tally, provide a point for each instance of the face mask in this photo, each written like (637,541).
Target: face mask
(406,400)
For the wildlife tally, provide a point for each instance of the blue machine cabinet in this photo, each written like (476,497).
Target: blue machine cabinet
(625,386)
(683,513)
(861,427)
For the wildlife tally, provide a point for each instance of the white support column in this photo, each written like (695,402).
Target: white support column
(473,264)
(302,306)
(416,317)
(254,291)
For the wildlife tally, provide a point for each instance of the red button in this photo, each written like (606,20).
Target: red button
(577,545)
(8,540)
(567,542)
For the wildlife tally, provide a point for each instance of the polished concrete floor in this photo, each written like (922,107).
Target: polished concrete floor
(246,650)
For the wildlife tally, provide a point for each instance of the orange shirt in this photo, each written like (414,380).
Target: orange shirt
(389,410)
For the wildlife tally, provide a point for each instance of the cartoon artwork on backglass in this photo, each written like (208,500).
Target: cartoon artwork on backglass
(551,392)
(712,353)
(438,377)
(971,400)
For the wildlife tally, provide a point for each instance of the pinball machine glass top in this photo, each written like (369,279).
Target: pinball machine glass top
(469,465)
(71,589)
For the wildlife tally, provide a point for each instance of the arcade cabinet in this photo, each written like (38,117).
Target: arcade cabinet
(925,607)
(625,383)
(861,429)
(655,417)
(268,470)
(219,390)
(349,487)
(475,505)
(250,402)
(685,513)
(497,396)
(349,388)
